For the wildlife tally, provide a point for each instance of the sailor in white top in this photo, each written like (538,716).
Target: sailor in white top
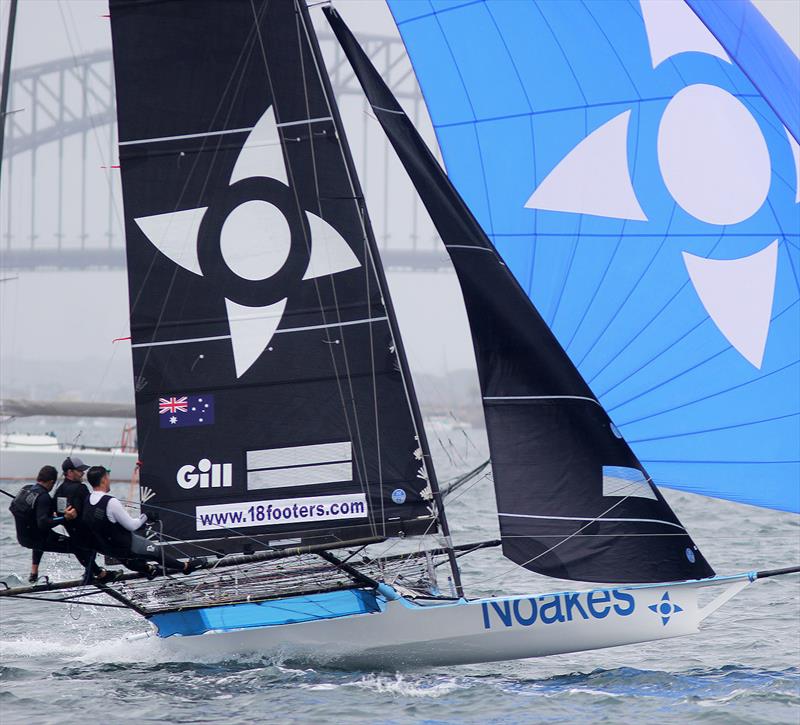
(116,513)
(113,529)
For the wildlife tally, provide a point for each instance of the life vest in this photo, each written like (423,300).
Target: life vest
(24,504)
(23,507)
(109,537)
(75,494)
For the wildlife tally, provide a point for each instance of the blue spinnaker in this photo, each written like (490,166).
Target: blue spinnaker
(639,174)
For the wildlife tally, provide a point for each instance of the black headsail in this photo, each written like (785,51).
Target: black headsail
(272,401)
(573,500)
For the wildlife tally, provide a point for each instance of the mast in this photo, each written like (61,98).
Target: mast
(12,19)
(427,459)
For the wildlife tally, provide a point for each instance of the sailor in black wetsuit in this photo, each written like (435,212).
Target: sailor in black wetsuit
(114,531)
(33,516)
(72,491)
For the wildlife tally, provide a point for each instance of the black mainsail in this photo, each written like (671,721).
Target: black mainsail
(272,395)
(573,500)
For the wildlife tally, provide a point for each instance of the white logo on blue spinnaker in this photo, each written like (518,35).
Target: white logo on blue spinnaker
(205,475)
(714,162)
(300,465)
(310,509)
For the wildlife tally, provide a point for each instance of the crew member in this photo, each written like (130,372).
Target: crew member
(72,491)
(34,519)
(114,530)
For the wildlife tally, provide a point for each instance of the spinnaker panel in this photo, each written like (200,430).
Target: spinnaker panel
(573,500)
(639,184)
(269,400)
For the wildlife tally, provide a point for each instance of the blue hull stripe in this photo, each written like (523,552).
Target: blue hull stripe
(329,605)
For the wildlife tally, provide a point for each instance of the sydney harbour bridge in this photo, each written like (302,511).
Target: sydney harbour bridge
(60,200)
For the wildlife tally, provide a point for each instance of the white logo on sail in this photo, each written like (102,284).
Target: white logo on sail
(205,475)
(255,242)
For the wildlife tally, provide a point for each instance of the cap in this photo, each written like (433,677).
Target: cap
(73,462)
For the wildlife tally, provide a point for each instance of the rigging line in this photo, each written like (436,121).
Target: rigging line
(699,364)
(95,134)
(109,177)
(239,75)
(223,95)
(428,471)
(341,141)
(238,532)
(462,491)
(236,75)
(201,195)
(428,468)
(375,395)
(360,464)
(366,232)
(301,31)
(563,541)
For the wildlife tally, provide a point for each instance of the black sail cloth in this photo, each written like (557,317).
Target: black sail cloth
(573,500)
(268,398)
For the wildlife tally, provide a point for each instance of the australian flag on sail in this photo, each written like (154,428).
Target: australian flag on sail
(183,411)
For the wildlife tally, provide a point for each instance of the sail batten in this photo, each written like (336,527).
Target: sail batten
(556,456)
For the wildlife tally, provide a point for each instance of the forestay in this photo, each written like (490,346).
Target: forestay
(573,500)
(636,165)
(269,394)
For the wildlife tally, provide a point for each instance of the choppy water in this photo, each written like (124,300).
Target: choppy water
(67,665)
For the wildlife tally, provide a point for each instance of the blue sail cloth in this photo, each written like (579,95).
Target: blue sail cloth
(642,186)
(751,41)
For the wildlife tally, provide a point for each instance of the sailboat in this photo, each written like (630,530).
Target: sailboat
(279,430)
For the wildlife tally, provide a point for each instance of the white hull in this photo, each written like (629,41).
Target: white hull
(406,635)
(22,456)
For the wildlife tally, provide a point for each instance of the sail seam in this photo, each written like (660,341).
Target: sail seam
(588,518)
